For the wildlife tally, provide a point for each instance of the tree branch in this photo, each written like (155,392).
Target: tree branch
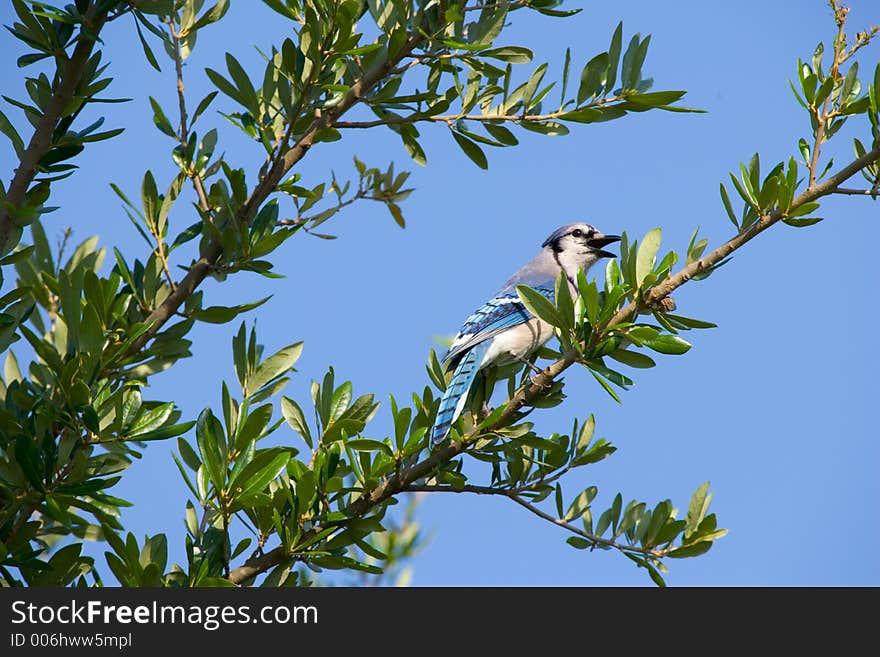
(855,192)
(511,6)
(484,118)
(559,522)
(822,116)
(282,164)
(41,141)
(183,126)
(389,487)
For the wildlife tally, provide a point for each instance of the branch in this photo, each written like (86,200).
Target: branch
(855,192)
(282,164)
(183,128)
(41,140)
(511,6)
(340,204)
(559,522)
(485,118)
(389,487)
(822,117)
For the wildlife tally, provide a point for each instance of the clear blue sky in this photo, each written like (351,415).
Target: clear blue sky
(773,406)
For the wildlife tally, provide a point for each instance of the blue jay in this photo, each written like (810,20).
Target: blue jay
(502,331)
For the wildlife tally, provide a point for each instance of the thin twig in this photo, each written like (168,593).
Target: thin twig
(822,116)
(484,118)
(855,192)
(511,6)
(70,71)
(559,522)
(360,194)
(183,127)
(287,159)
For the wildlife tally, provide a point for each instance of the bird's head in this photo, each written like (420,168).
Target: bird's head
(579,245)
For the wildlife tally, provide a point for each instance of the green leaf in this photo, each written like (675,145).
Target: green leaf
(16,256)
(163,433)
(805,208)
(629,72)
(27,455)
(416,152)
(202,106)
(580,504)
(615,377)
(647,252)
(213,15)
(691,323)
(512,54)
(578,542)
(274,366)
(148,52)
(549,128)
(243,83)
(632,358)
(656,98)
(306,488)
(339,401)
(614,58)
(160,119)
(295,417)
(586,434)
(257,474)
(558,13)
(150,420)
(225,86)
(583,115)
(801,223)
(150,196)
(209,447)
(564,303)
(474,152)
(697,508)
(592,77)
(668,344)
(368,445)
(396,214)
(337,563)
(223,314)
(694,550)
(7,129)
(566,66)
(539,305)
(728,208)
(600,450)
(633,62)
(606,386)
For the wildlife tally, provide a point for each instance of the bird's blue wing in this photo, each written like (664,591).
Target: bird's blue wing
(501,312)
(455,395)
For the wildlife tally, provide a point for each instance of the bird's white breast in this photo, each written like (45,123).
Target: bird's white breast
(517,342)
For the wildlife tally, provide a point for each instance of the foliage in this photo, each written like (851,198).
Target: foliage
(71,424)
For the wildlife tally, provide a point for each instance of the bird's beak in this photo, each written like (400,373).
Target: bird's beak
(598,242)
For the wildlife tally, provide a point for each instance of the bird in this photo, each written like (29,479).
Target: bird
(502,331)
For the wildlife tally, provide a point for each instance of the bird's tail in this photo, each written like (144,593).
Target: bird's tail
(457,391)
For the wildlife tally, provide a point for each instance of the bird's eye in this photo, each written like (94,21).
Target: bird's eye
(577,232)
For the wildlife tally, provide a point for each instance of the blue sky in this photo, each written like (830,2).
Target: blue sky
(772,406)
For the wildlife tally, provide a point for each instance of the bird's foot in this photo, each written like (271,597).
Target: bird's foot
(528,363)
